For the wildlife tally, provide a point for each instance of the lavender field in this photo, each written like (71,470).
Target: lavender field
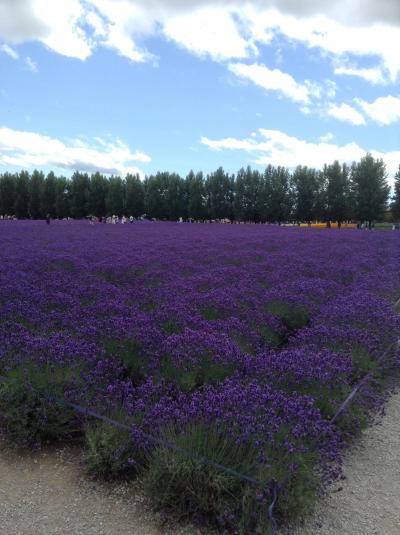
(236,342)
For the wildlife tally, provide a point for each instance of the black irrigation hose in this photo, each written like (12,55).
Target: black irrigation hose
(263,485)
(360,384)
(273,488)
(89,412)
(272,519)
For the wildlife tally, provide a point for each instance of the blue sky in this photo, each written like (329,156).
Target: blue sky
(139,86)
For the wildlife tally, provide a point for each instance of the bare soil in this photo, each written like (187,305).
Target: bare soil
(44,493)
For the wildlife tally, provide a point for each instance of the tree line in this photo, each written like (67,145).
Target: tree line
(338,192)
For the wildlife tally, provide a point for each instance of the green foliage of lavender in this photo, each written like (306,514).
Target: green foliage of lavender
(31,412)
(109,451)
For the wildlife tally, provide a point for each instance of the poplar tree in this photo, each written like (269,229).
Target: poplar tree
(21,205)
(396,197)
(370,188)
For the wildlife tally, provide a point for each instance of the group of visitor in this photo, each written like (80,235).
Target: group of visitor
(112,220)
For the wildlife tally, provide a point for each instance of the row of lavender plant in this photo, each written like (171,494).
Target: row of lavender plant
(238,343)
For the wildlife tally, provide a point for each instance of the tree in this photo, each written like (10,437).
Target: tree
(396,197)
(337,192)
(115,196)
(247,189)
(80,188)
(320,201)
(276,195)
(196,196)
(48,195)
(176,197)
(156,195)
(35,210)
(62,206)
(22,184)
(7,194)
(97,194)
(305,182)
(370,188)
(220,192)
(134,196)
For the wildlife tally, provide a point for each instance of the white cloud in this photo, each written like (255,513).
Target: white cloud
(64,20)
(30,149)
(273,80)
(346,113)
(384,110)
(9,51)
(31,65)
(373,75)
(223,29)
(323,32)
(277,148)
(117,24)
(357,11)
(210,31)
(327,137)
(19,21)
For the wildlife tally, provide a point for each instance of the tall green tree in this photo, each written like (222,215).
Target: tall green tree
(396,197)
(22,184)
(62,207)
(156,195)
(370,188)
(337,192)
(277,198)
(196,196)
(306,188)
(134,196)
(7,194)
(79,197)
(220,193)
(115,196)
(97,194)
(247,190)
(176,197)
(35,208)
(320,203)
(48,195)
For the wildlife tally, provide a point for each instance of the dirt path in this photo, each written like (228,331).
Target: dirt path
(45,494)
(367,502)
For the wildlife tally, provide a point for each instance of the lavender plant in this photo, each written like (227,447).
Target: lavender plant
(256,330)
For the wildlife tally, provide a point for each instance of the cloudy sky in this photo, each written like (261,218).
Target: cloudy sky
(147,85)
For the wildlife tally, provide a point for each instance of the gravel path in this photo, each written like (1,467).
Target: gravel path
(44,494)
(367,502)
